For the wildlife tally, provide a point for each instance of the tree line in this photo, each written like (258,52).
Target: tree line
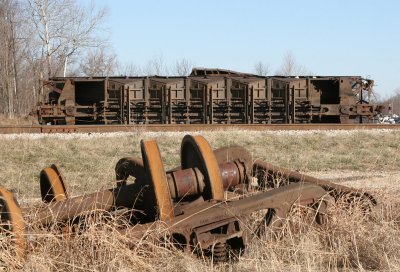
(392,103)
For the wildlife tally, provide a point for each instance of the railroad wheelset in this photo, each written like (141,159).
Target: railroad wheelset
(197,201)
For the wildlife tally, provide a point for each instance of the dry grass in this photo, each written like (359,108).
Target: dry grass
(350,240)
(17,120)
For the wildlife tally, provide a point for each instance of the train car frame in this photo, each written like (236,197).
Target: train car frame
(208,96)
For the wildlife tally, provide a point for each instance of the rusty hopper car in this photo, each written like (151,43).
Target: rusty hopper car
(207,96)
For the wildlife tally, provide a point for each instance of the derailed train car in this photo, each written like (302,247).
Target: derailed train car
(208,96)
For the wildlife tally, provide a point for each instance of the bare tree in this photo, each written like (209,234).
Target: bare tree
(8,58)
(63,27)
(130,69)
(183,67)
(261,68)
(289,67)
(98,62)
(156,66)
(391,104)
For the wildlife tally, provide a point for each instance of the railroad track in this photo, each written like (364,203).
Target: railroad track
(183,127)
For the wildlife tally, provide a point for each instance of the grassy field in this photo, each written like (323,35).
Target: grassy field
(349,241)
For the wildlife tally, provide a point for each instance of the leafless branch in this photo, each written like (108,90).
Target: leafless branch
(290,67)
(261,68)
(183,67)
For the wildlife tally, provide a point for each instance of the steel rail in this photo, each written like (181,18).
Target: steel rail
(37,129)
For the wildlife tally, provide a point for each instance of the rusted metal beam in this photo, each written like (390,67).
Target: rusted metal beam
(268,169)
(207,224)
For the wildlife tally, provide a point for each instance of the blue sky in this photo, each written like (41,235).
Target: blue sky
(328,37)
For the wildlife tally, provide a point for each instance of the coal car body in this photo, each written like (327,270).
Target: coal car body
(207,96)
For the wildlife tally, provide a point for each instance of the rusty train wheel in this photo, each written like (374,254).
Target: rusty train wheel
(197,152)
(159,193)
(52,187)
(12,222)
